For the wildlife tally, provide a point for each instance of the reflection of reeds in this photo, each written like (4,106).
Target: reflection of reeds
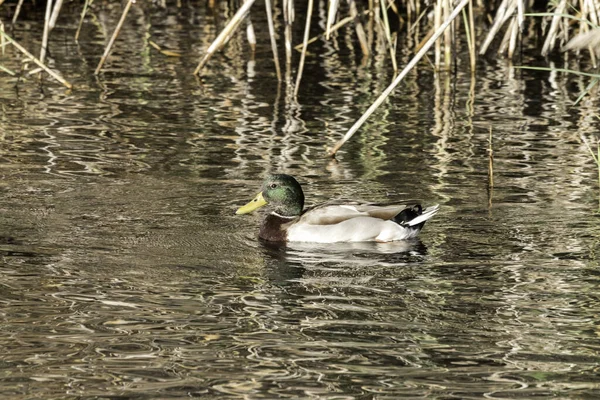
(225,34)
(596,158)
(514,22)
(334,28)
(595,78)
(46,31)
(331,14)
(17,11)
(490,162)
(114,36)
(83,12)
(566,20)
(288,17)
(273,41)
(470,34)
(250,34)
(388,35)
(35,60)
(399,78)
(304,45)
(55,12)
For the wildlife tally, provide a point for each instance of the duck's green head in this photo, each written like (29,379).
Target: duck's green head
(282,192)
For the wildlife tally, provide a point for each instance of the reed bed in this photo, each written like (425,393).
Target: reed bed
(440,29)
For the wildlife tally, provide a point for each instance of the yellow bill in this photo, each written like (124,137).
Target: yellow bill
(256,202)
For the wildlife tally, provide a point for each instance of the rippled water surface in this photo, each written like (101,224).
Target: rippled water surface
(124,272)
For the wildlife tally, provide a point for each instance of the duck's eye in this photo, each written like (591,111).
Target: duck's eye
(273,185)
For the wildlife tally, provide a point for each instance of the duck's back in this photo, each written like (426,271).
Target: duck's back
(334,213)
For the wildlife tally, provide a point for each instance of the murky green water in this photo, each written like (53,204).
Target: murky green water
(125,274)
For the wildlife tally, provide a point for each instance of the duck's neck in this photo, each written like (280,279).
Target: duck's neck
(283,216)
(273,227)
(289,210)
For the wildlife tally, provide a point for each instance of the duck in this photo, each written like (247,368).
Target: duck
(331,222)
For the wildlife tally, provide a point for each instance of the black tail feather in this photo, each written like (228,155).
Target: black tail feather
(408,214)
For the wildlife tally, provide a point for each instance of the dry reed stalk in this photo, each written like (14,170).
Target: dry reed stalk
(288,18)
(376,15)
(332,11)
(591,9)
(376,32)
(589,40)
(370,34)
(35,71)
(514,34)
(85,7)
(333,29)
(221,39)
(472,54)
(469,32)
(167,53)
(273,40)
(415,28)
(35,60)
(588,14)
(399,78)
(251,35)
(409,10)
(520,14)
(553,31)
(360,32)
(506,38)
(46,30)
(388,36)
(563,31)
(390,4)
(505,11)
(8,71)
(55,12)
(2,40)
(447,7)
(114,36)
(418,10)
(17,11)
(437,21)
(416,24)
(304,46)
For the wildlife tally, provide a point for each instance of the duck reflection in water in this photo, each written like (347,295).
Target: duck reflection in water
(289,261)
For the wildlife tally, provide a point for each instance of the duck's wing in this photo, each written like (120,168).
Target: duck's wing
(334,213)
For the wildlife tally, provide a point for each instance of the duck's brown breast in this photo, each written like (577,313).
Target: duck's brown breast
(274,228)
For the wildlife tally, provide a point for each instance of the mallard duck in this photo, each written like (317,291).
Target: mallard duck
(331,222)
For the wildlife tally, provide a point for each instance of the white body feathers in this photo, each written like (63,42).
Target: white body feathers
(349,223)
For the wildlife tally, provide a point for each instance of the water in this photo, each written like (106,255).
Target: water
(125,273)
